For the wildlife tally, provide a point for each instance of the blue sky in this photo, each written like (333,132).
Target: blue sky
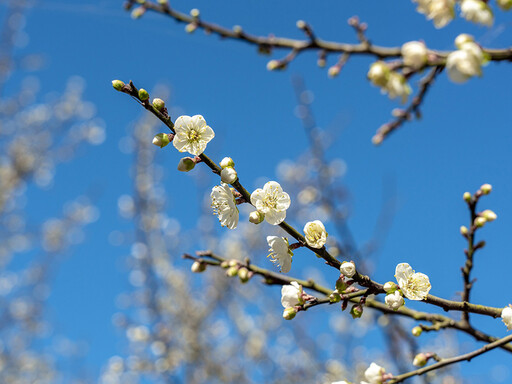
(463,140)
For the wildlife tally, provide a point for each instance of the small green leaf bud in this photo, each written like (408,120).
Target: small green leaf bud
(143,94)
(256,217)
(420,360)
(198,267)
(464,230)
(489,215)
(356,311)
(186,164)
(479,222)
(227,162)
(244,275)
(390,287)
(289,313)
(417,331)
(161,140)
(341,285)
(486,189)
(158,104)
(117,84)
(232,271)
(334,297)
(467,197)
(228,175)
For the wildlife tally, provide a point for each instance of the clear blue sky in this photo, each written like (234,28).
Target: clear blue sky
(463,140)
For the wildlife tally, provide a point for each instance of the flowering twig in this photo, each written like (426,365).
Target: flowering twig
(412,110)
(444,362)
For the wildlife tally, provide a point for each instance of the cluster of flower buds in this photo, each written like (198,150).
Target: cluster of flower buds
(466,61)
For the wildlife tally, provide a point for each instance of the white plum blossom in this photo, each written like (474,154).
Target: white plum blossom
(394,300)
(280,253)
(414,286)
(440,11)
(291,295)
(348,268)
(477,11)
(228,175)
(379,73)
(506,316)
(397,87)
(414,54)
(465,63)
(315,234)
(192,134)
(374,374)
(224,205)
(271,201)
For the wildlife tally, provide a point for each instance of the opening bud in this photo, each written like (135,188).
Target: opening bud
(228,175)
(462,39)
(489,215)
(348,268)
(198,267)
(356,311)
(161,140)
(379,73)
(158,104)
(143,94)
(117,84)
(289,313)
(390,287)
(256,217)
(417,331)
(486,189)
(227,162)
(186,164)
(244,275)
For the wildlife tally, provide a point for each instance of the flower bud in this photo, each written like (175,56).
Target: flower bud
(414,54)
(479,222)
(233,263)
(390,287)
(289,313)
(489,215)
(244,275)
(486,189)
(190,28)
(158,104)
(161,140)
(356,311)
(227,162)
(467,197)
(198,267)
(232,271)
(464,230)
(379,73)
(301,24)
(256,217)
(420,360)
(138,12)
(394,300)
(333,71)
(505,4)
(162,2)
(417,331)
(194,12)
(334,297)
(143,94)
(272,65)
(462,39)
(224,264)
(237,29)
(321,62)
(228,175)
(117,84)
(348,268)
(186,164)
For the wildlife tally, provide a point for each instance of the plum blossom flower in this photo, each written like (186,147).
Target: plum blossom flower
(271,201)
(192,134)
(316,236)
(440,11)
(506,316)
(465,62)
(414,286)
(224,205)
(280,254)
(394,300)
(348,268)
(414,54)
(374,374)
(291,295)
(477,11)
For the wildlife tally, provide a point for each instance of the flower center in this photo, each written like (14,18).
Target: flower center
(271,197)
(193,135)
